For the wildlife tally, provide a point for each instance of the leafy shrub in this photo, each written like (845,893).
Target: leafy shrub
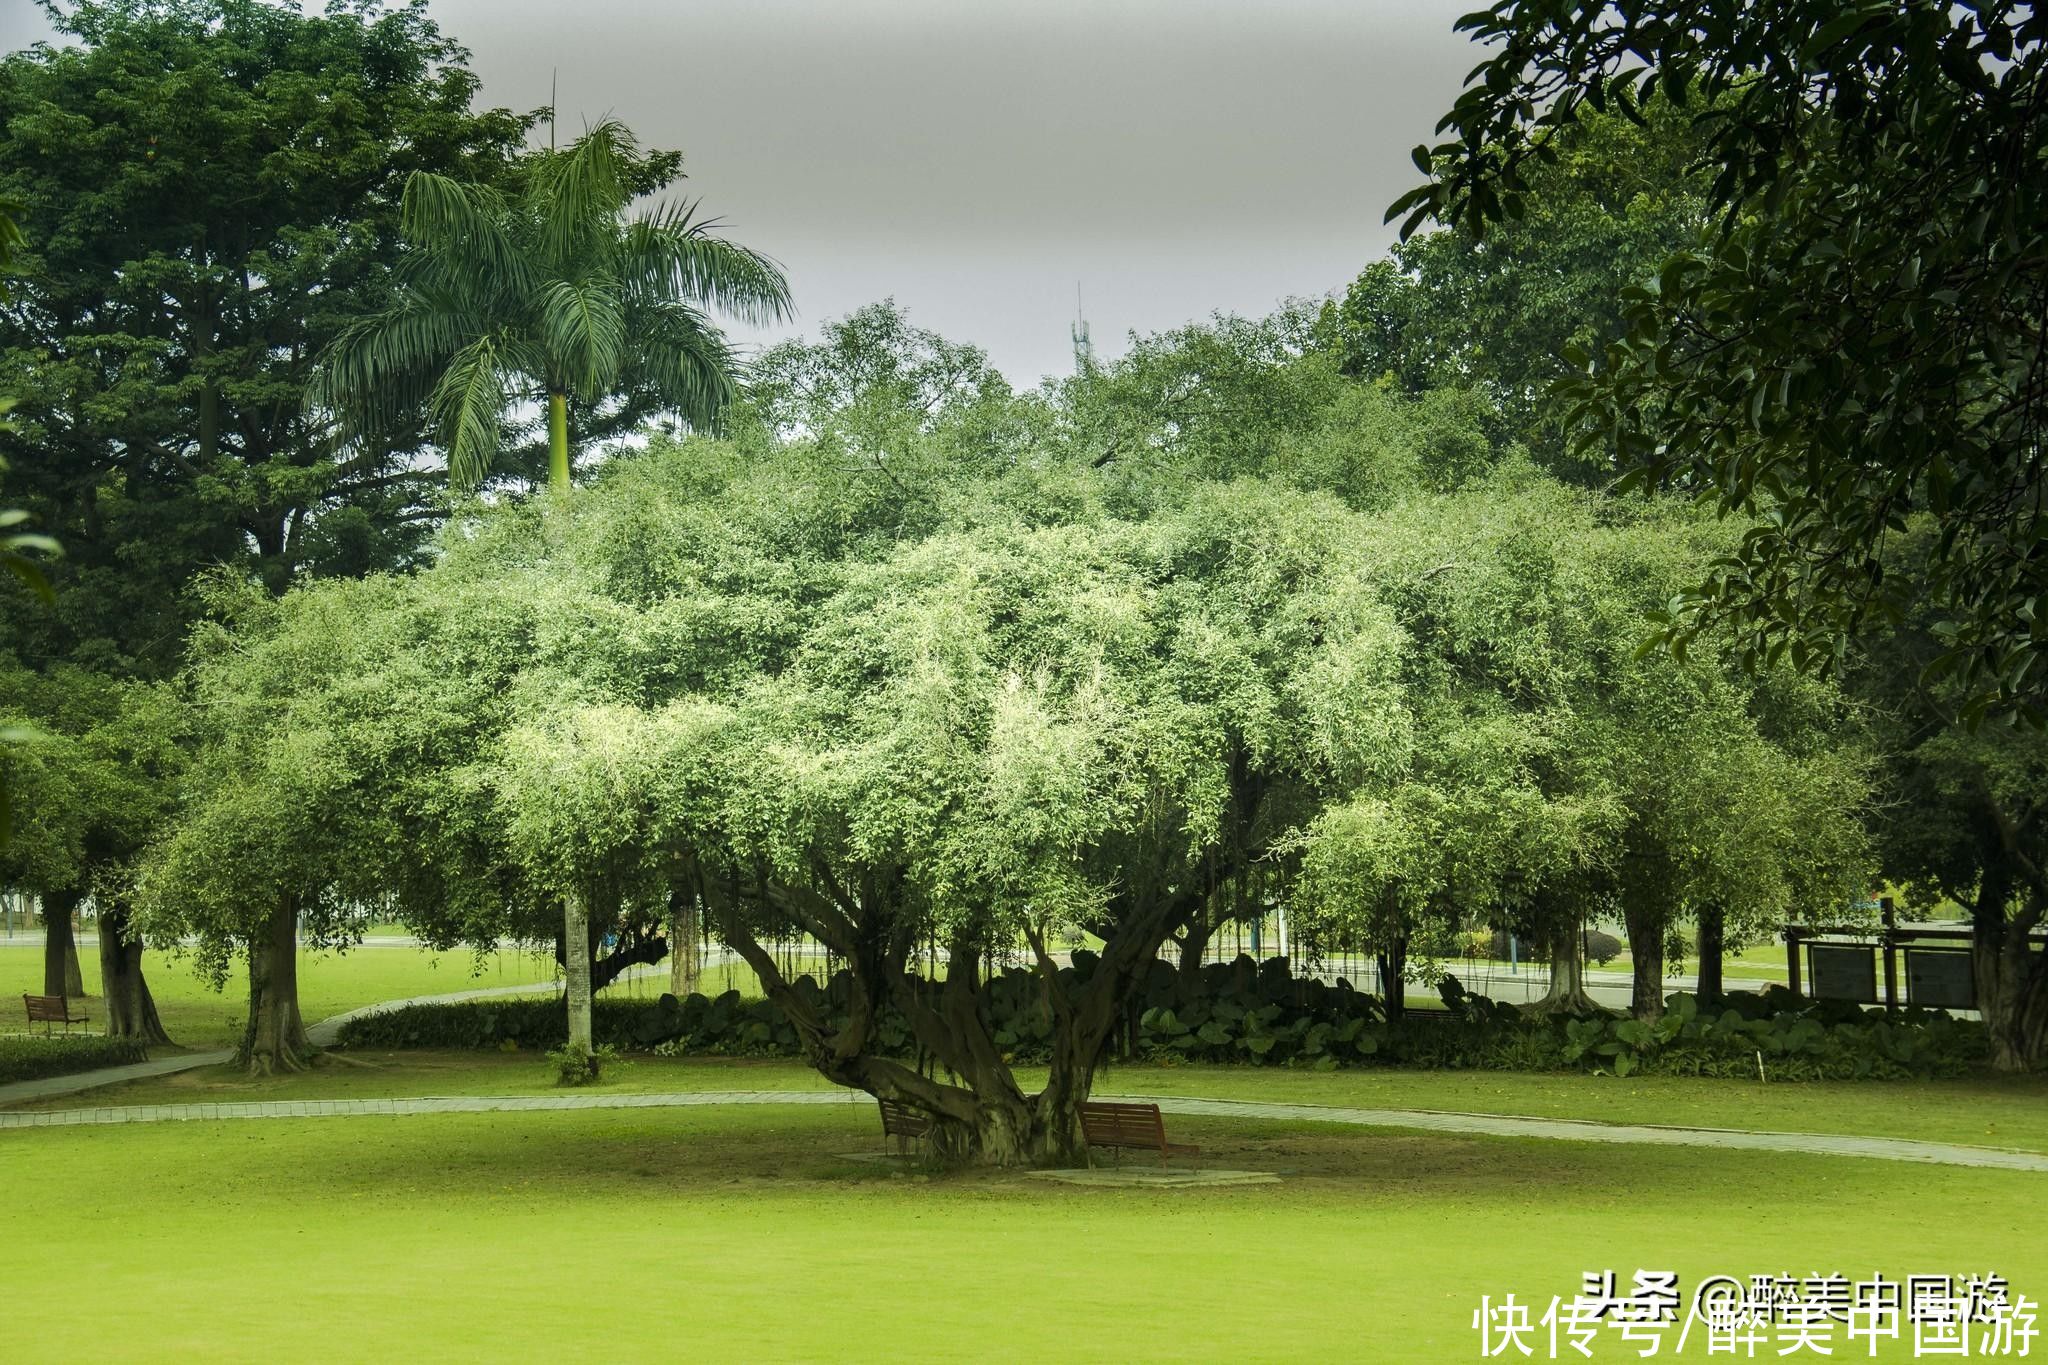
(573,1064)
(32,1059)
(1601,947)
(1258,1014)
(1796,1040)
(537,1022)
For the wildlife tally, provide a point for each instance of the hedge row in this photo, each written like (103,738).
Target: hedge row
(32,1058)
(1259,1014)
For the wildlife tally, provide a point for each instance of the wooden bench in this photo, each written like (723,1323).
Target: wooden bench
(52,1009)
(1137,1126)
(903,1123)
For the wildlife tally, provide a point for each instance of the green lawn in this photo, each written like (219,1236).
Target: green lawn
(195,1015)
(330,983)
(1765,962)
(743,1234)
(1987,1111)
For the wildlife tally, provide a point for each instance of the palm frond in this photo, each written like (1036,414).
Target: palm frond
(415,333)
(460,226)
(469,398)
(583,326)
(671,252)
(682,364)
(577,195)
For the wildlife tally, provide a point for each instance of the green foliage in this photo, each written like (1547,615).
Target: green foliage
(33,1058)
(210,190)
(1256,1015)
(1448,311)
(885,691)
(1855,344)
(574,1064)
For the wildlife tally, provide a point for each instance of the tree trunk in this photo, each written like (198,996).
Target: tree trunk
(61,974)
(1394,980)
(558,443)
(131,1011)
(1646,949)
(1193,944)
(1567,993)
(1712,944)
(275,1037)
(2012,989)
(576,967)
(985,1118)
(685,943)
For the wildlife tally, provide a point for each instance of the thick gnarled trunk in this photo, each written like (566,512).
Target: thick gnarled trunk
(61,974)
(1567,992)
(274,1039)
(131,1010)
(981,1115)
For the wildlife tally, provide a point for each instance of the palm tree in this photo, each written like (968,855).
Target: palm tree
(552,295)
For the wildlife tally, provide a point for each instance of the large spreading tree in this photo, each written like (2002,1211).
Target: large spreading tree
(935,721)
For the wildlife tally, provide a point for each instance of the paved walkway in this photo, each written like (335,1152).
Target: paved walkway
(1485,1125)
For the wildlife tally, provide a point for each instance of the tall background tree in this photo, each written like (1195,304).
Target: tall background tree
(552,296)
(1851,363)
(210,190)
(1495,313)
(549,296)
(98,780)
(1858,342)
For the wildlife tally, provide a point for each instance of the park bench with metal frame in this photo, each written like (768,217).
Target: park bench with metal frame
(1139,1127)
(52,1009)
(907,1125)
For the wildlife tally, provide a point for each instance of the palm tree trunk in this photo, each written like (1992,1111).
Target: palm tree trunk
(558,442)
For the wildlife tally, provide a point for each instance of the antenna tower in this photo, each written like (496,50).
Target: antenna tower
(1084,348)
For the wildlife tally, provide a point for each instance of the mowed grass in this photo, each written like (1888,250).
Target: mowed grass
(733,1233)
(197,1016)
(1985,1111)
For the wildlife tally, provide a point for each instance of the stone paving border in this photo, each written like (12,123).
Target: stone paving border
(1587,1130)
(1482,1125)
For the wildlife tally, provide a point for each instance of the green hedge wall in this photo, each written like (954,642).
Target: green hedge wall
(33,1058)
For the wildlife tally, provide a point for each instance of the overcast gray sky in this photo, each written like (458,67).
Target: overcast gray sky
(977,160)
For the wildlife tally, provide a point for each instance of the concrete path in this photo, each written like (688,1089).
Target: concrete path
(49,1087)
(1482,1125)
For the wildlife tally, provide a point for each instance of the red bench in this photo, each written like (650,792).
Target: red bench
(903,1123)
(52,1009)
(1136,1126)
